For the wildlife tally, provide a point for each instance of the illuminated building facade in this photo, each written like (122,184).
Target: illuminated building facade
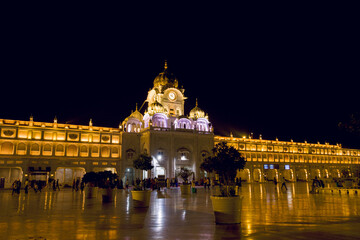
(295,161)
(39,150)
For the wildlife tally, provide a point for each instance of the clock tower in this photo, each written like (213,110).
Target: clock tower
(165,96)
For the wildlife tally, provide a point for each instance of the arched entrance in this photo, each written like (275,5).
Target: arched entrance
(316,173)
(129,176)
(335,173)
(257,175)
(302,175)
(271,174)
(289,175)
(244,174)
(8,175)
(325,173)
(67,175)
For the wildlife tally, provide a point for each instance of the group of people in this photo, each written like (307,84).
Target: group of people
(16,186)
(36,185)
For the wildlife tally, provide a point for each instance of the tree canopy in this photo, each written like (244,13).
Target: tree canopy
(143,162)
(226,160)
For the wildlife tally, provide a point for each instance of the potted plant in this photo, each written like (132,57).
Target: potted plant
(90,180)
(185,173)
(107,182)
(141,196)
(226,161)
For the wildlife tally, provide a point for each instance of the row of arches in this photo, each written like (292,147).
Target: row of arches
(59,149)
(292,175)
(65,175)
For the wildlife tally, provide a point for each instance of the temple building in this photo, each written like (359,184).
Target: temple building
(42,150)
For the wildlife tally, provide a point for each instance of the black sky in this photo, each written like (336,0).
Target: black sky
(281,71)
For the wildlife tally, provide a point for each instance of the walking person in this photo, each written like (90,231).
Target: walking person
(18,186)
(54,185)
(205,183)
(35,187)
(26,186)
(127,184)
(275,182)
(284,184)
(14,187)
(168,183)
(77,184)
(57,184)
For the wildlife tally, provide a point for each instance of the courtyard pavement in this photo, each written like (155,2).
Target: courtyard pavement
(267,213)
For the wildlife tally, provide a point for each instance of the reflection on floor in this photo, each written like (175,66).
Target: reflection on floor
(268,212)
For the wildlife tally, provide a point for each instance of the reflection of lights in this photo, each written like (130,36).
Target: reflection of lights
(249,229)
(128,203)
(183,215)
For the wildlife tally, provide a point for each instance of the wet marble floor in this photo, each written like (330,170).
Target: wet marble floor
(267,213)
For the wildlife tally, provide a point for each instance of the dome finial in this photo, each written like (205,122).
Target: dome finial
(165,67)
(136,107)
(196,102)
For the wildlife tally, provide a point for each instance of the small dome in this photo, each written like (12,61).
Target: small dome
(156,107)
(165,79)
(137,114)
(134,116)
(197,112)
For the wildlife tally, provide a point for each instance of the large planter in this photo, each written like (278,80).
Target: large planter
(227,210)
(185,189)
(141,198)
(108,194)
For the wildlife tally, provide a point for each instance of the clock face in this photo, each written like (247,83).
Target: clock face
(172,96)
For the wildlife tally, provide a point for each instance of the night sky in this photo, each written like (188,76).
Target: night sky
(286,72)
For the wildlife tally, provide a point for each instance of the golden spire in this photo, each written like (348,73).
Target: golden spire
(136,107)
(165,67)
(196,102)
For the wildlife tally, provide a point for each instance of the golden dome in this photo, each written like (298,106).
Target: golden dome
(165,79)
(156,107)
(197,112)
(137,114)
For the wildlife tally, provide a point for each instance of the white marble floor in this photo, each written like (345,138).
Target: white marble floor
(268,213)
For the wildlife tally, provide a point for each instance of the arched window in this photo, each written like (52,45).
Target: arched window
(72,151)
(21,147)
(184,123)
(159,120)
(183,154)
(115,150)
(83,149)
(35,147)
(60,148)
(105,152)
(47,148)
(7,148)
(130,154)
(95,149)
